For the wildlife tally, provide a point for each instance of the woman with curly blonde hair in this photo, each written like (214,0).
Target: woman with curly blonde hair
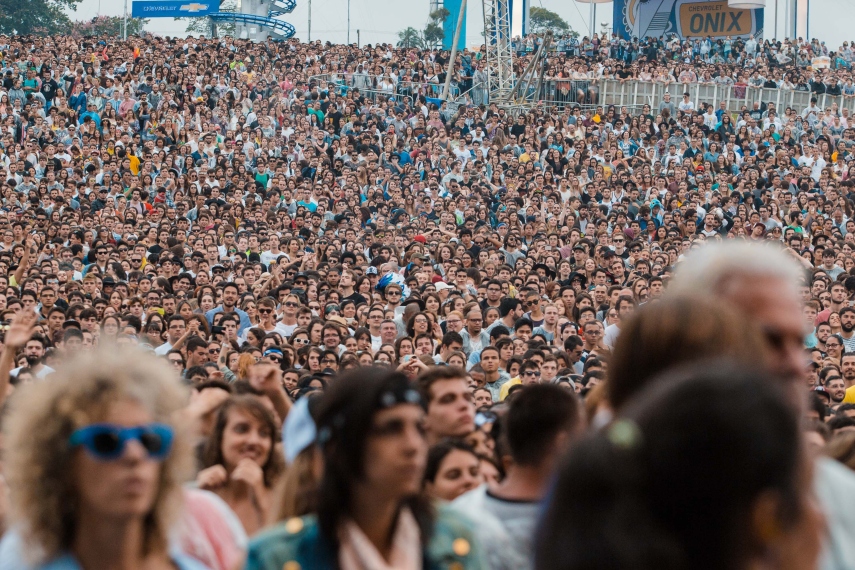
(94,462)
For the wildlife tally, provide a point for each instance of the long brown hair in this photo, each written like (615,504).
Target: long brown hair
(250,404)
(296,493)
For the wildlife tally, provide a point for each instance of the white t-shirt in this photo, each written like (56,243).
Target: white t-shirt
(285,330)
(40,374)
(610,336)
(268,256)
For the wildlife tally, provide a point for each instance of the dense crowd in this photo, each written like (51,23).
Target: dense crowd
(394,314)
(575,67)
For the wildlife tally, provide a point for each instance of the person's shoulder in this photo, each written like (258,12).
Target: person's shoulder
(453,539)
(291,530)
(283,544)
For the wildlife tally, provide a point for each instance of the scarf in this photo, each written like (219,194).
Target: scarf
(357,552)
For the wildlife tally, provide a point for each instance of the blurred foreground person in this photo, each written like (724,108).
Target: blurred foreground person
(704,471)
(296,493)
(370,513)
(762,282)
(675,331)
(94,464)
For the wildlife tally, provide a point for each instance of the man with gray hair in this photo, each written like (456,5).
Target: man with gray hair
(763,282)
(760,280)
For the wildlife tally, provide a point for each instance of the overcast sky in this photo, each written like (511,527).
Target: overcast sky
(378,23)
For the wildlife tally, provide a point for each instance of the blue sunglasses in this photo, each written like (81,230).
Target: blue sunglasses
(106,442)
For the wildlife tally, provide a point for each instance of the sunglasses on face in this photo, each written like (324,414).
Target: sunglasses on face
(265,311)
(106,442)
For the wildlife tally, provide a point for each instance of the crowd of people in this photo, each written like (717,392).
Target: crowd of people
(575,67)
(251,318)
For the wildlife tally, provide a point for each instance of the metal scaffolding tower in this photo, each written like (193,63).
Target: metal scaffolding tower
(527,87)
(499,56)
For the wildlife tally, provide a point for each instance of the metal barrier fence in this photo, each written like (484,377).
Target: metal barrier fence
(635,93)
(591,93)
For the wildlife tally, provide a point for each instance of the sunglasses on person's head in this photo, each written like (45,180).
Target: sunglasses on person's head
(106,442)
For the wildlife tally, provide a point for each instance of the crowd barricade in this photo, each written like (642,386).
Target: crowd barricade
(558,92)
(634,94)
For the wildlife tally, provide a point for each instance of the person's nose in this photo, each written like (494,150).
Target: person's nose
(134,452)
(790,361)
(414,441)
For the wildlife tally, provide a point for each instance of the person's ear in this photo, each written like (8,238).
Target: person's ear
(764,517)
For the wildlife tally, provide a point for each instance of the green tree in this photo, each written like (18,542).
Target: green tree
(203,24)
(409,38)
(35,16)
(433,34)
(434,31)
(439,15)
(542,20)
(108,26)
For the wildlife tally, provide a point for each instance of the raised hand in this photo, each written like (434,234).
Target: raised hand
(213,477)
(21,329)
(249,473)
(266,377)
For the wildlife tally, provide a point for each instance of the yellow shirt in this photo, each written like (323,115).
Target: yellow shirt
(850,395)
(506,387)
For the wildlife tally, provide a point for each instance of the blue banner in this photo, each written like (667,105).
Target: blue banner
(685,18)
(173,8)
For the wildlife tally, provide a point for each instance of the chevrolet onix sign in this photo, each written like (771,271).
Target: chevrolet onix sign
(172,9)
(713,19)
(685,18)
